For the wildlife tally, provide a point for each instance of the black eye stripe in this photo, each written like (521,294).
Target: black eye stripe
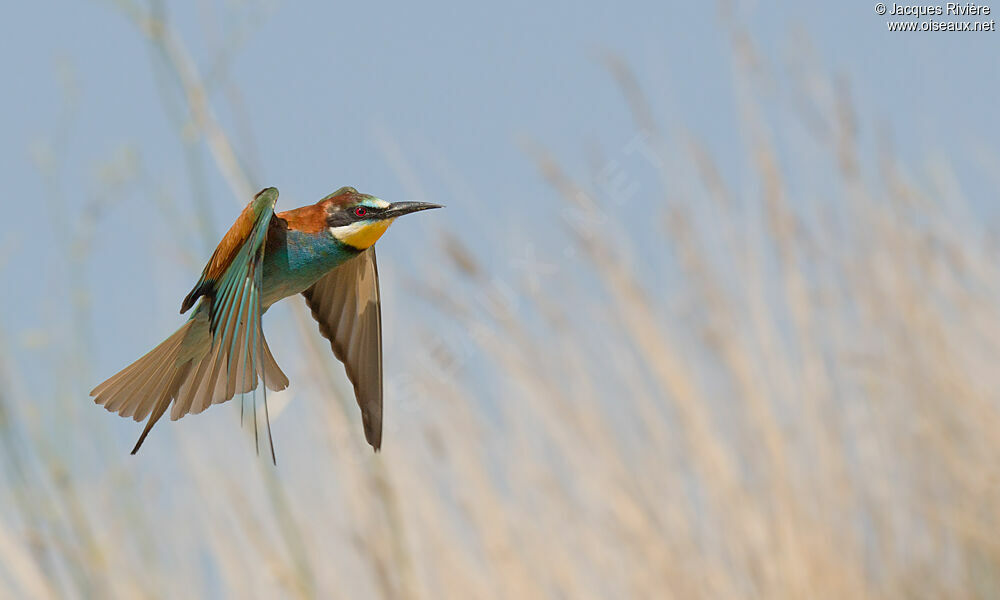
(347,215)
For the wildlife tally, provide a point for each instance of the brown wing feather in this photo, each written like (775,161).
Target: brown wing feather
(224,253)
(346,304)
(307,219)
(230,244)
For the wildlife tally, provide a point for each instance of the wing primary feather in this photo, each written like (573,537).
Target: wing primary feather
(237,354)
(207,381)
(256,434)
(157,413)
(212,382)
(232,358)
(150,396)
(225,292)
(346,304)
(259,360)
(255,317)
(123,402)
(242,323)
(189,391)
(132,379)
(117,397)
(164,401)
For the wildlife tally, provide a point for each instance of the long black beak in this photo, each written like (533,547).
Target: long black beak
(398,209)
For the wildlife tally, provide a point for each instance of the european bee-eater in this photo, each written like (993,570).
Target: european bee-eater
(325,252)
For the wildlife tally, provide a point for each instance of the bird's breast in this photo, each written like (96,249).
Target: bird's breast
(294,260)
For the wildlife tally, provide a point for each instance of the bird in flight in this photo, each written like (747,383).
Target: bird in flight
(324,251)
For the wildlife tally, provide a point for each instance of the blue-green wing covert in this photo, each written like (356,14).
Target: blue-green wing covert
(221,350)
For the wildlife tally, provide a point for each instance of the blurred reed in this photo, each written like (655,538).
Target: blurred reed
(787,395)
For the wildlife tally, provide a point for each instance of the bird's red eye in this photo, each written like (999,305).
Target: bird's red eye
(360,211)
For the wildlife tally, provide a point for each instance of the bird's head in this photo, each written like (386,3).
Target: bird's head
(359,220)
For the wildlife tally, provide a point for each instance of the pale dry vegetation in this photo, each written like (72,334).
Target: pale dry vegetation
(785,388)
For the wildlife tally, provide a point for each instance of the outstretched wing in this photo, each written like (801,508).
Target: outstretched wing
(221,351)
(346,304)
(237,353)
(233,280)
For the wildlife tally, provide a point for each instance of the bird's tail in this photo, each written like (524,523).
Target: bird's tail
(189,369)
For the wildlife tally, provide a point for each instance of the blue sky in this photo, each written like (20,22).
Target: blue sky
(426,101)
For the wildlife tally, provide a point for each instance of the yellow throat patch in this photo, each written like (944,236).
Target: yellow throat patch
(361,235)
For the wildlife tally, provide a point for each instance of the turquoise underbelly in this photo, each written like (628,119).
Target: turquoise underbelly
(293,264)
